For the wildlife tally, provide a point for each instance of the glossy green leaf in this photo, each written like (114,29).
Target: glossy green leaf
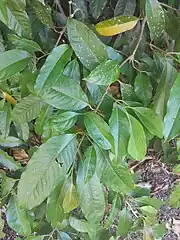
(172,117)
(78,225)
(125,222)
(96,7)
(174,200)
(127,93)
(88,48)
(137,141)
(12,62)
(70,201)
(17,217)
(33,190)
(22,130)
(143,88)
(8,162)
(80,9)
(155,18)
(24,44)
(64,236)
(92,200)
(7,184)
(89,163)
(98,130)
(72,70)
(104,74)
(27,110)
(10,142)
(116,25)
(150,120)
(5,120)
(119,127)
(125,7)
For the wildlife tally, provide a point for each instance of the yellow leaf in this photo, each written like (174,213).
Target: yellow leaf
(116,25)
(71,200)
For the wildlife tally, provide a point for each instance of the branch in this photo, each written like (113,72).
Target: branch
(60,36)
(167,6)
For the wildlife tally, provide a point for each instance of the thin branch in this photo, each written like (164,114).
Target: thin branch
(132,210)
(60,7)
(103,96)
(167,6)
(60,36)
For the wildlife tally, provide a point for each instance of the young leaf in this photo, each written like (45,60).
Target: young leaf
(172,117)
(12,62)
(104,74)
(174,200)
(125,7)
(98,130)
(116,25)
(143,88)
(27,110)
(88,48)
(137,141)
(150,120)
(72,70)
(89,163)
(78,225)
(125,222)
(96,7)
(155,18)
(8,162)
(17,217)
(70,201)
(46,172)
(10,142)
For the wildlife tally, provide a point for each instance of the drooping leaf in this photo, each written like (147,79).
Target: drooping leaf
(78,225)
(125,222)
(32,191)
(116,25)
(150,120)
(137,141)
(155,18)
(174,200)
(88,48)
(125,7)
(96,7)
(104,74)
(143,88)
(5,120)
(17,217)
(8,162)
(70,201)
(27,110)
(72,70)
(172,117)
(12,62)
(10,142)
(98,130)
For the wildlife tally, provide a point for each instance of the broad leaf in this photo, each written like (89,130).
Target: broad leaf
(78,225)
(143,88)
(116,25)
(155,18)
(7,184)
(8,162)
(46,172)
(137,141)
(10,142)
(104,74)
(72,70)
(125,7)
(5,120)
(70,201)
(88,48)
(12,62)
(22,130)
(17,217)
(98,130)
(174,200)
(96,7)
(27,110)
(125,222)
(172,117)
(150,120)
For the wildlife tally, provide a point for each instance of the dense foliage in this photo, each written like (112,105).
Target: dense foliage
(81,97)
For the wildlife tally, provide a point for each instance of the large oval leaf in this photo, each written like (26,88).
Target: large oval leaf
(12,62)
(87,46)
(10,142)
(8,162)
(125,222)
(96,7)
(125,7)
(116,25)
(42,173)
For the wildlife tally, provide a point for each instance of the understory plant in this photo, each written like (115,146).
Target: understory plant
(86,86)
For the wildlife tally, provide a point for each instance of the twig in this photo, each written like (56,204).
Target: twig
(60,36)
(103,96)
(167,6)
(60,7)
(129,205)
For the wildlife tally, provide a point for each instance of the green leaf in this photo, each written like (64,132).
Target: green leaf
(88,48)
(150,214)
(17,217)
(98,130)
(125,222)
(63,235)
(174,200)
(119,126)
(46,172)
(155,18)
(128,93)
(5,120)
(104,74)
(143,88)
(72,70)
(80,10)
(12,62)
(78,225)
(159,230)
(92,200)
(70,200)
(35,238)
(96,7)
(27,109)
(172,117)
(137,141)
(10,142)
(150,120)
(22,131)
(150,201)
(2,234)
(116,25)
(24,44)
(7,184)
(89,163)
(55,212)
(125,7)
(8,162)
(176,169)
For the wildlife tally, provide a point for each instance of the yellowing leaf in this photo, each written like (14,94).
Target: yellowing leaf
(71,200)
(116,25)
